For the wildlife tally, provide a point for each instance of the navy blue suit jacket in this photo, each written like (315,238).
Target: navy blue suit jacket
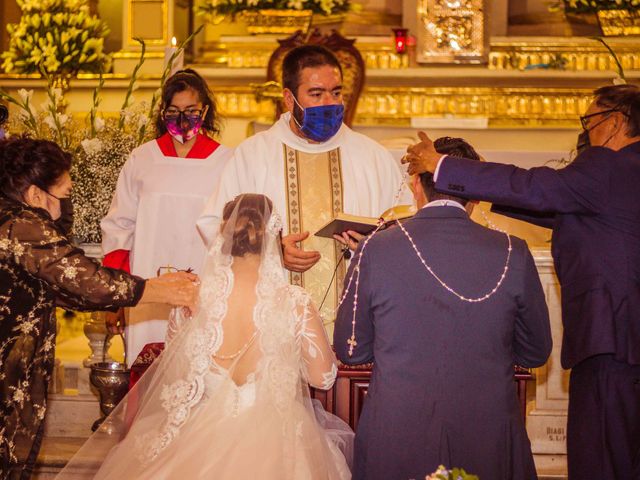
(593,206)
(442,389)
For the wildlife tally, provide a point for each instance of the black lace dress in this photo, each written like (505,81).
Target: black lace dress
(39,270)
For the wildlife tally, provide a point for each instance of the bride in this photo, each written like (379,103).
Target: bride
(228,398)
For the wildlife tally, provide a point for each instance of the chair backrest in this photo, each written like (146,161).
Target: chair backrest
(351,61)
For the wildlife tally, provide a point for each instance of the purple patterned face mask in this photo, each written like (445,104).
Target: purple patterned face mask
(184,125)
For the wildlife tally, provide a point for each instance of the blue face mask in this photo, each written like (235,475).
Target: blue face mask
(319,123)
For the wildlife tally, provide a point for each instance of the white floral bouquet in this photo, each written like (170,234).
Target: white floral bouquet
(218,8)
(56,37)
(100,144)
(442,473)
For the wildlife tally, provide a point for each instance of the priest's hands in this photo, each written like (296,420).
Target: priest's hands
(349,239)
(294,258)
(115,322)
(422,157)
(177,288)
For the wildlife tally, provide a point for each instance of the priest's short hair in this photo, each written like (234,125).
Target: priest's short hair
(305,56)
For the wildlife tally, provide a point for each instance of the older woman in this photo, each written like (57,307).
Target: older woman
(40,269)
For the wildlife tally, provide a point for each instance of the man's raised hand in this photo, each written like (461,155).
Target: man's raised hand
(421,157)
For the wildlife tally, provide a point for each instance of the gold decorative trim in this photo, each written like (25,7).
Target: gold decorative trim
(277,21)
(129,55)
(337,202)
(255,54)
(619,22)
(335,171)
(501,106)
(550,106)
(572,54)
(241,102)
(293,201)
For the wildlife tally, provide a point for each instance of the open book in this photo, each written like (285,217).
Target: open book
(363,225)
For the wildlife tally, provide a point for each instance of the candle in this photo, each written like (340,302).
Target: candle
(400,39)
(178,61)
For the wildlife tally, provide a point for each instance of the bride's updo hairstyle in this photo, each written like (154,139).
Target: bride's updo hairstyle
(250,222)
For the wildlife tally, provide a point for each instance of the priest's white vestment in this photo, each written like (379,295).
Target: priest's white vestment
(309,183)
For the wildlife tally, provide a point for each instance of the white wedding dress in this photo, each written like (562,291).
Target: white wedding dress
(229,396)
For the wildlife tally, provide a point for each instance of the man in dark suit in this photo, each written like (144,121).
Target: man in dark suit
(444,342)
(593,206)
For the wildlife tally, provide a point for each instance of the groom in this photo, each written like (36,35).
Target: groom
(443,341)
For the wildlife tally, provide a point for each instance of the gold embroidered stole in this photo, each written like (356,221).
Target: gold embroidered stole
(314,197)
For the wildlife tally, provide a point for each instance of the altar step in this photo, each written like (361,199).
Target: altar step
(54,455)
(72,407)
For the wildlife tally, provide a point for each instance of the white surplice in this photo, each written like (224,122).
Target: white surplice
(153,215)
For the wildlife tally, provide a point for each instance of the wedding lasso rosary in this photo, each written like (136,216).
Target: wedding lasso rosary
(352,342)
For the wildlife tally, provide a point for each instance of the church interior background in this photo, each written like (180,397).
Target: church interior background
(509,76)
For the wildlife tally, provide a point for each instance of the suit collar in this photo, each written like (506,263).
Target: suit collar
(633,147)
(441,212)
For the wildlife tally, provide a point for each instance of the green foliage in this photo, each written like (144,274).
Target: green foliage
(454,474)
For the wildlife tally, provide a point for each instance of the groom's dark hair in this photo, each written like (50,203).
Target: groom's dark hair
(454,147)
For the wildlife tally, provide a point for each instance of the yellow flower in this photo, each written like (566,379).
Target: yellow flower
(7,65)
(34,20)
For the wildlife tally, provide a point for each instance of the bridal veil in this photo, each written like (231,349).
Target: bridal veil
(229,398)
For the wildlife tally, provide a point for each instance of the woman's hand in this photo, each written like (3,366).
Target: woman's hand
(179,289)
(115,322)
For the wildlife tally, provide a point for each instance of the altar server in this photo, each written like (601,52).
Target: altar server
(162,189)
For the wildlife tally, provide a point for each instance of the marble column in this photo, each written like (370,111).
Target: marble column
(547,415)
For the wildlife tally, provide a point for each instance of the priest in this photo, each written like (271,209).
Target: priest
(312,166)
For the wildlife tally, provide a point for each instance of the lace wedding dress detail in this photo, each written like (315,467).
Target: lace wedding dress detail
(179,397)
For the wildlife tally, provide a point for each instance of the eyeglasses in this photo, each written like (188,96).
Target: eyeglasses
(170,269)
(584,120)
(56,197)
(173,113)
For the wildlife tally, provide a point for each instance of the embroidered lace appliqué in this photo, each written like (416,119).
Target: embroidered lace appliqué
(179,397)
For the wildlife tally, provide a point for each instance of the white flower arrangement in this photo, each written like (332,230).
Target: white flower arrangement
(56,37)
(442,473)
(95,168)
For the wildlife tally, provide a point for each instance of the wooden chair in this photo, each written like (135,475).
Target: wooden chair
(353,69)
